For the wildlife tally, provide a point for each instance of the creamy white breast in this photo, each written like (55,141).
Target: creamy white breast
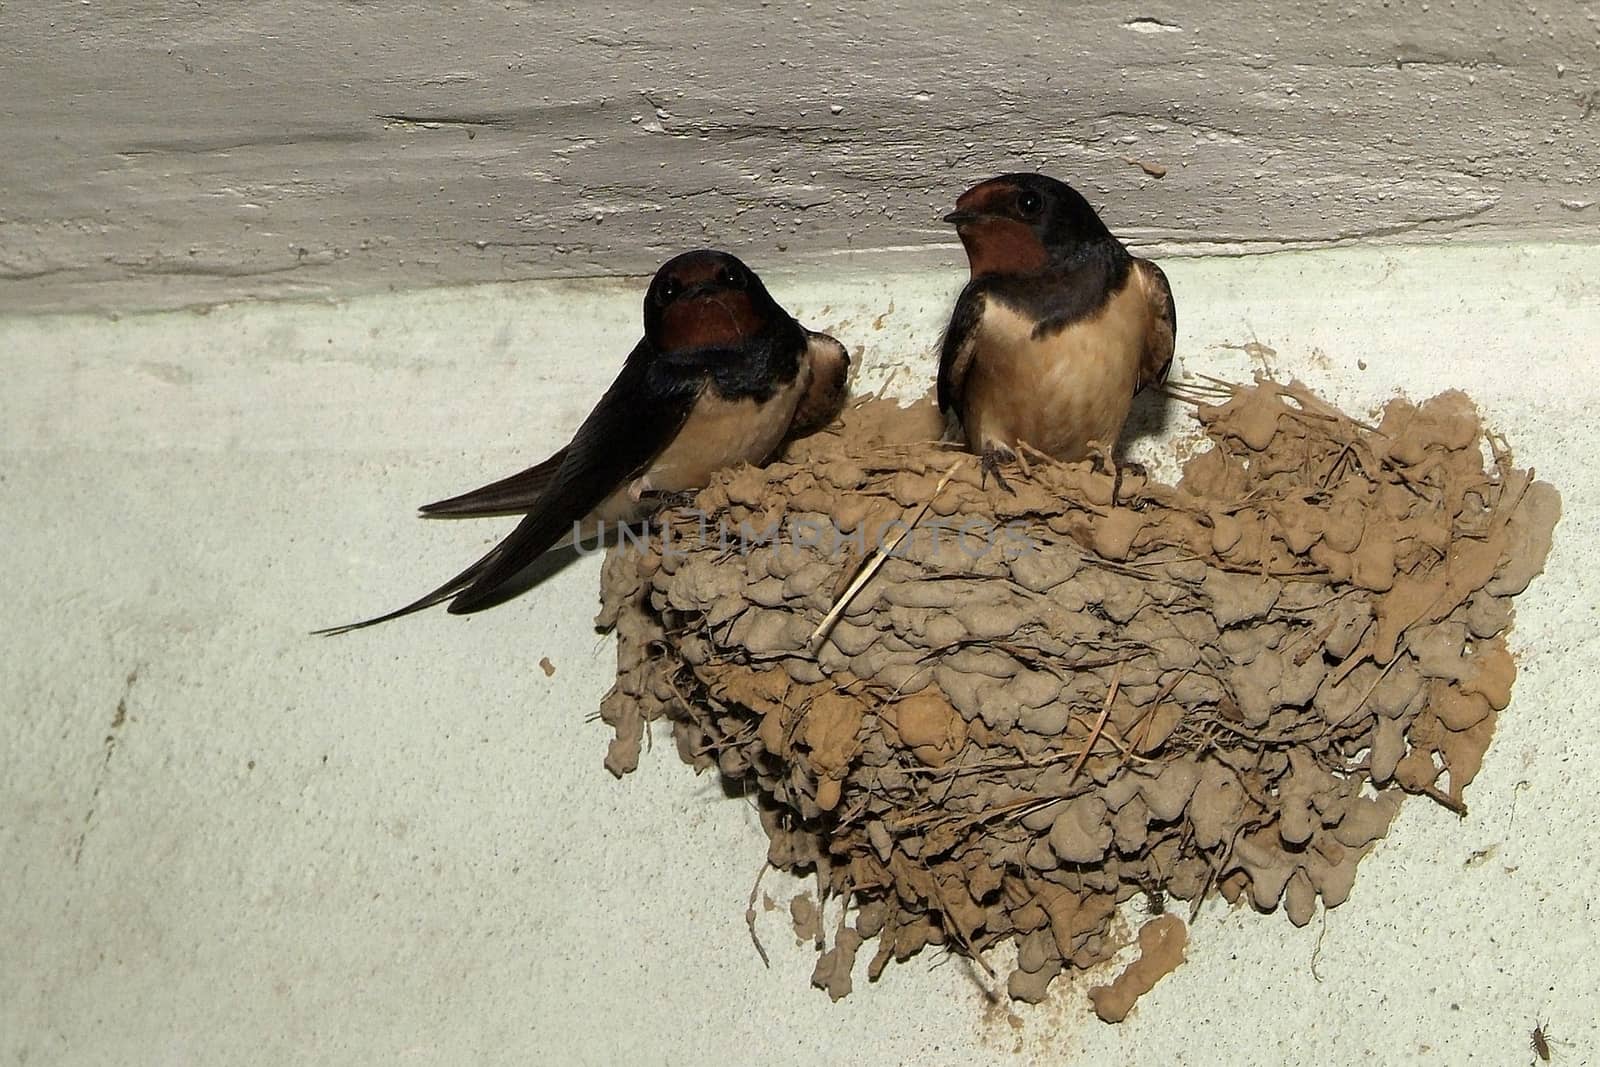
(718,433)
(1060,392)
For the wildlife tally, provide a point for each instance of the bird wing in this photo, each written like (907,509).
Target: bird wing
(830,376)
(515,495)
(959,344)
(1162,334)
(630,426)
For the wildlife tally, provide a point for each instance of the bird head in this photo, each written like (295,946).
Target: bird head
(706,299)
(1021,223)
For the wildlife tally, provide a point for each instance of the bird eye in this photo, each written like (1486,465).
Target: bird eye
(669,290)
(1029,204)
(729,278)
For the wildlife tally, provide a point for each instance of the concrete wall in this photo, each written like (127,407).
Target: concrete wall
(165,154)
(224,841)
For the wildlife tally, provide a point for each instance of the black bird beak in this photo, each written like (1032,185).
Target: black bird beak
(957,218)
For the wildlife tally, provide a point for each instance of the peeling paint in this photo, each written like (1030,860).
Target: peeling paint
(310,152)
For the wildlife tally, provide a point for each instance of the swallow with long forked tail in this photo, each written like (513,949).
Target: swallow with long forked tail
(723,376)
(1058,327)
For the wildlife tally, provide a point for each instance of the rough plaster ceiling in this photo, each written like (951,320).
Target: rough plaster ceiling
(154,154)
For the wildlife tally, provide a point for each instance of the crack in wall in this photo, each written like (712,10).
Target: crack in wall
(204,146)
(537,117)
(113,734)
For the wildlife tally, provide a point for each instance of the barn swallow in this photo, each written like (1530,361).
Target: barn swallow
(1057,329)
(723,376)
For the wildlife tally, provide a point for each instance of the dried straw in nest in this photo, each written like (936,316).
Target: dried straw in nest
(1106,687)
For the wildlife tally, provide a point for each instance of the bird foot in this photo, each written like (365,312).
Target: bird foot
(681,498)
(989,463)
(1103,462)
(1136,469)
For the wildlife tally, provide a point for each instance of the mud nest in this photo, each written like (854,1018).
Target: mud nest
(1050,698)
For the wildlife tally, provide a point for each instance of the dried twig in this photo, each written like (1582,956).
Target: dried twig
(1099,724)
(750,914)
(820,634)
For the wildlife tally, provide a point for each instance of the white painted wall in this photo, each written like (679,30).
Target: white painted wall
(166,154)
(223,841)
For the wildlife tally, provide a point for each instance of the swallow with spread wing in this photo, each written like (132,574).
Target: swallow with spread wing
(723,376)
(1057,329)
